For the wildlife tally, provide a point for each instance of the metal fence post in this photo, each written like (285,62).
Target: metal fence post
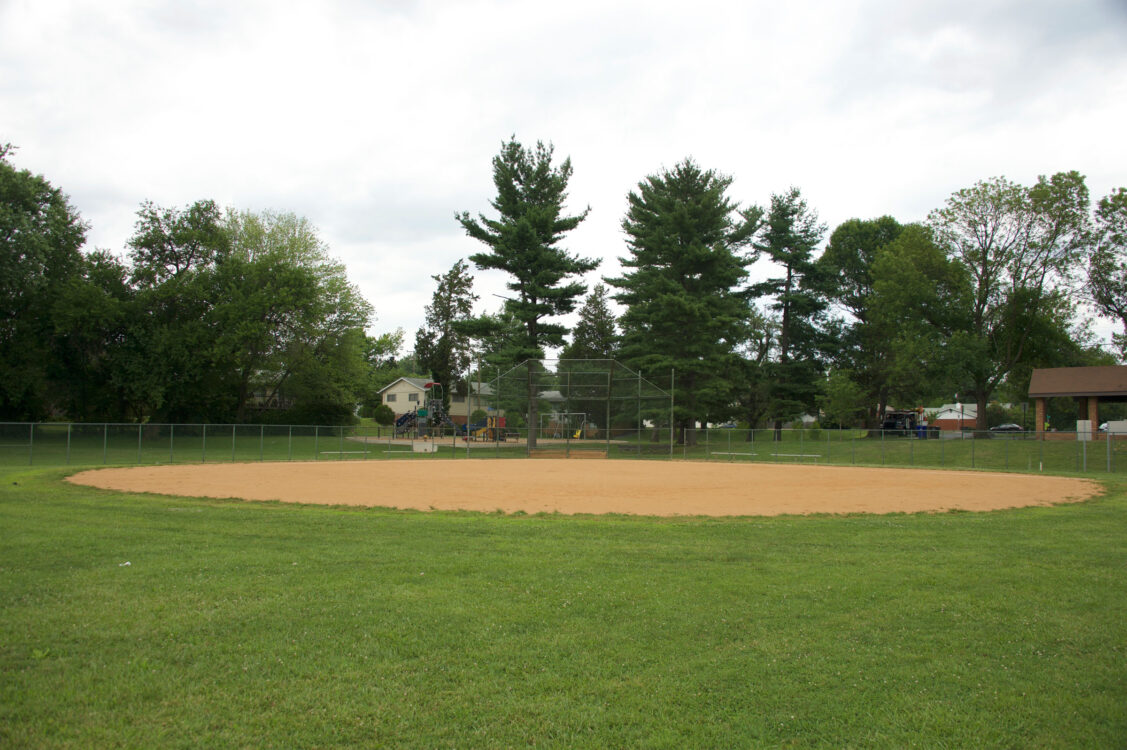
(172,443)
(105,441)
(973,440)
(261,440)
(232,443)
(69,425)
(316,442)
(289,445)
(204,444)
(138,444)
(340,449)
(30,443)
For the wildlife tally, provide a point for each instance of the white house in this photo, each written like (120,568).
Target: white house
(407,394)
(952,416)
(404,395)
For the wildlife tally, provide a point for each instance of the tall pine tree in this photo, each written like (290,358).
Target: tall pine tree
(440,347)
(596,333)
(684,310)
(791,235)
(524,241)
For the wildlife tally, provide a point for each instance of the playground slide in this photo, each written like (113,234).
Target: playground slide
(405,422)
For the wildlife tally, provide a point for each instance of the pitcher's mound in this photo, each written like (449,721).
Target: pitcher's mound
(656,488)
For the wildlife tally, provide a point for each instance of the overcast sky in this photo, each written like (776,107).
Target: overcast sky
(378,120)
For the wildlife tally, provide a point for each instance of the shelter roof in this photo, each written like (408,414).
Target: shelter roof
(1079,381)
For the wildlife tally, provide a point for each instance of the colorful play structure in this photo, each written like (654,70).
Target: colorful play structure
(422,421)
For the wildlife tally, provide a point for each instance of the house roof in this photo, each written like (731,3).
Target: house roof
(420,383)
(953,411)
(1079,381)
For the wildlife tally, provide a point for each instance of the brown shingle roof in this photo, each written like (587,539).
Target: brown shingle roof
(1079,381)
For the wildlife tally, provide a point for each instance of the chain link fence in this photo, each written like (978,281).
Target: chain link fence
(105,444)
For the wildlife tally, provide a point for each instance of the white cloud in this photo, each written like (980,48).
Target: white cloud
(378,120)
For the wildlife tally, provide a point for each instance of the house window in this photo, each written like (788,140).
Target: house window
(456,399)
(412,397)
(389,398)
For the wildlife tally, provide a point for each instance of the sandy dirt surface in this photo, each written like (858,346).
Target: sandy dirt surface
(657,488)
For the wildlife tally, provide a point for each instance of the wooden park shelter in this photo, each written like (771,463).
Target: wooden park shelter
(1088,385)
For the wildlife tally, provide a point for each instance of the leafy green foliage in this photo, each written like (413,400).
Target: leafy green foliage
(1017,244)
(684,308)
(383,415)
(1107,271)
(857,344)
(918,311)
(791,235)
(842,401)
(40,239)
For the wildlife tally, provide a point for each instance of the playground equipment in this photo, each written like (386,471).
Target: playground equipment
(406,423)
(422,421)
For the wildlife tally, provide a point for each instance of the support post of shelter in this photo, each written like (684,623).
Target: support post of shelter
(1039,416)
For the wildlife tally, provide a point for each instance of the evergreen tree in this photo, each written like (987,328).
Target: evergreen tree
(596,333)
(684,310)
(524,241)
(792,233)
(441,348)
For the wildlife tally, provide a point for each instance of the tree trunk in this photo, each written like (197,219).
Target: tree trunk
(882,407)
(980,419)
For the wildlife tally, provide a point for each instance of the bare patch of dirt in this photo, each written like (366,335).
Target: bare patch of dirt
(654,488)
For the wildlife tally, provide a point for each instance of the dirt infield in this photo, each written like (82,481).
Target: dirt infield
(656,488)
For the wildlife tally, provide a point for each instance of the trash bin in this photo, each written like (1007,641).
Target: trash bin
(921,432)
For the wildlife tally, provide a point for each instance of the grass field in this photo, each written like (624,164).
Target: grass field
(267,625)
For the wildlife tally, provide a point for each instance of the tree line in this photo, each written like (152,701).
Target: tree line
(214,316)
(963,305)
(219,315)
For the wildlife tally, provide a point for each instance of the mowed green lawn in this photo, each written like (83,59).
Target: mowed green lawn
(268,625)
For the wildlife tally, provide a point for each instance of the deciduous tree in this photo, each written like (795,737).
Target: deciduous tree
(41,234)
(1107,270)
(856,345)
(1017,244)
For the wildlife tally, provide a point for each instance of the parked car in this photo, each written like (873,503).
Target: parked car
(1009,427)
(1103,427)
